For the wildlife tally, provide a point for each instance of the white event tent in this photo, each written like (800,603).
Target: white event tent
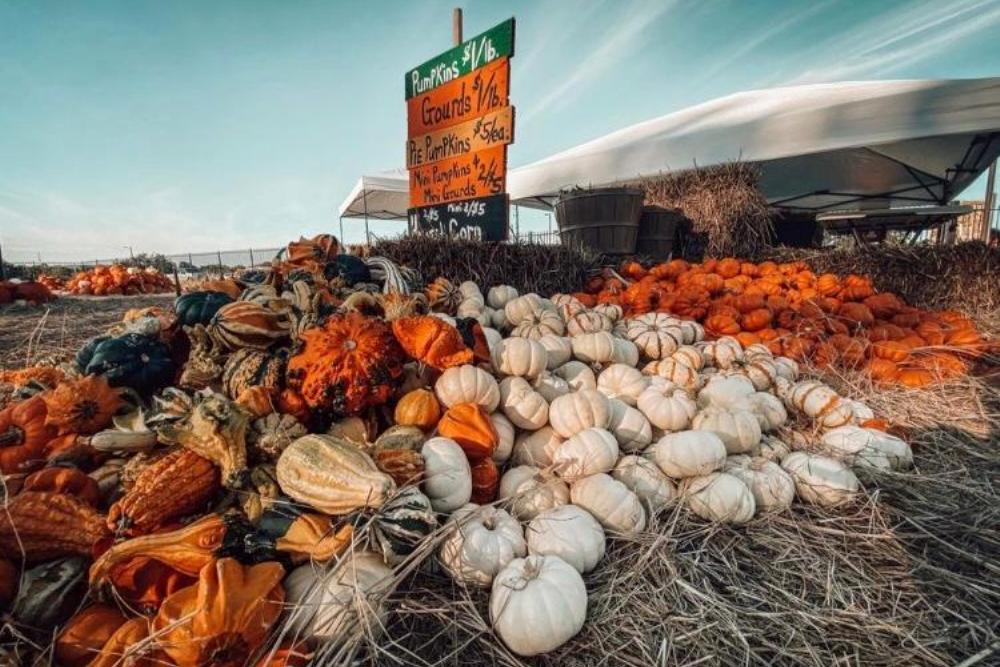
(819,147)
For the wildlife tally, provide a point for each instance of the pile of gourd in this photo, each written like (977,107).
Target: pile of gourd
(171,494)
(118,279)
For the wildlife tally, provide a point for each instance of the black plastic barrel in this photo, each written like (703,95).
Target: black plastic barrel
(602,219)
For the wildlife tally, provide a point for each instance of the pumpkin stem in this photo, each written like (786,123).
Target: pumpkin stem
(12,436)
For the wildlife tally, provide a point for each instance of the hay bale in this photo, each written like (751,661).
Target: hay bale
(723,203)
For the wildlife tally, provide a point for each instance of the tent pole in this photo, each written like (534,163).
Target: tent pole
(342,230)
(364,199)
(990,202)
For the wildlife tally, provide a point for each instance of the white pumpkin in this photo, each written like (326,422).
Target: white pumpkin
(690,355)
(625,352)
(674,371)
(530,491)
(578,374)
(820,402)
(761,371)
(469,290)
(768,409)
(579,410)
(861,412)
(498,320)
(757,351)
(480,542)
(588,321)
(522,308)
(522,405)
(688,453)
(594,348)
(719,497)
(499,295)
(739,430)
(520,356)
(505,438)
(569,532)
(723,353)
(590,451)
(532,447)
(772,448)
(787,368)
(629,426)
(559,350)
(567,305)
(622,382)
(493,337)
(545,323)
(467,384)
(773,489)
(332,604)
(730,392)
(612,503)
(537,604)
(550,386)
(820,480)
(693,332)
(646,480)
(612,311)
(866,447)
(669,408)
(447,477)
(656,335)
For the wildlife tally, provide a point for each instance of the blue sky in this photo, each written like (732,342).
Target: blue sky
(191,125)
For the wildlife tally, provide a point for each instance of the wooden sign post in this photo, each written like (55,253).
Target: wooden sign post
(459,124)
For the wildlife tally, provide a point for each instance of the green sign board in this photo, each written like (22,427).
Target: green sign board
(497,42)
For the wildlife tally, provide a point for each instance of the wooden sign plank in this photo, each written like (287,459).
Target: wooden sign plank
(481,219)
(475,94)
(494,129)
(495,43)
(465,177)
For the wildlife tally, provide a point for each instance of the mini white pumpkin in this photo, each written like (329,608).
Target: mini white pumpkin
(861,412)
(670,409)
(866,447)
(588,321)
(558,348)
(690,355)
(522,405)
(730,392)
(594,348)
(773,489)
(820,402)
(498,320)
(772,448)
(493,337)
(570,532)
(723,353)
(612,311)
(467,384)
(447,477)
(531,491)
(520,356)
(719,497)
(768,409)
(499,295)
(470,290)
(505,439)
(787,368)
(537,604)
(761,371)
(675,371)
(820,480)
(578,374)
(629,426)
(656,335)
(624,352)
(590,451)
(550,386)
(545,323)
(739,430)
(646,480)
(481,541)
(622,382)
(579,410)
(522,308)
(693,332)
(688,453)
(567,305)
(612,503)
(533,447)
(757,351)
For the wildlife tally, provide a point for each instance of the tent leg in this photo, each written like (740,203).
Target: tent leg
(342,241)
(364,199)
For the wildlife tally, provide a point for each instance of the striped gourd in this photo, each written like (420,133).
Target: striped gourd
(247,324)
(402,524)
(248,368)
(331,475)
(386,270)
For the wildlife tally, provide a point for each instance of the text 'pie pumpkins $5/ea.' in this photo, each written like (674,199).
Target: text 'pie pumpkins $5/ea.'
(132,360)
(350,363)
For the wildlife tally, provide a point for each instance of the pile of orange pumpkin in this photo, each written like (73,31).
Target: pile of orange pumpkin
(826,320)
(119,279)
(30,292)
(54,283)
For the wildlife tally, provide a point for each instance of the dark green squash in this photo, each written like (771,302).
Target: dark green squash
(349,269)
(402,523)
(139,362)
(199,307)
(50,593)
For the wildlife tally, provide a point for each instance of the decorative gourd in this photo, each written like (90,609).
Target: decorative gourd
(481,542)
(50,593)
(443,296)
(469,425)
(418,408)
(499,295)
(820,480)
(199,307)
(657,335)
(688,453)
(629,426)
(558,350)
(247,324)
(350,363)
(43,526)
(24,435)
(577,374)
(583,409)
(85,634)
(402,523)
(530,491)
(769,410)
(739,431)
(467,384)
(645,479)
(537,604)
(719,497)
(622,382)
(594,348)
(485,482)
(132,360)
(532,447)
(268,436)
(216,429)
(570,533)
(675,372)
(248,368)
(447,477)
(590,451)
(820,402)
(330,605)
(522,405)
(612,503)
(520,356)
(550,386)
(405,466)
(431,341)
(331,475)
(773,489)
(505,437)
(588,321)
(71,481)
(394,437)
(672,410)
(84,405)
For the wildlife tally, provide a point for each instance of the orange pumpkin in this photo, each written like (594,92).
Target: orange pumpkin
(968,339)
(797,348)
(748,338)
(746,303)
(24,433)
(906,320)
(432,341)
(84,635)
(931,331)
(469,425)
(70,481)
(418,408)
(891,350)
(883,305)
(126,647)
(943,364)
(756,320)
(722,325)
(882,370)
(728,267)
(914,376)
(828,284)
(856,313)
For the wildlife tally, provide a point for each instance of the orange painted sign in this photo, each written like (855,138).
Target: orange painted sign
(493,129)
(478,174)
(477,93)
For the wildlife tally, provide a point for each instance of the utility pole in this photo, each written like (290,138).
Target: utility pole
(990,202)
(130,253)
(456,25)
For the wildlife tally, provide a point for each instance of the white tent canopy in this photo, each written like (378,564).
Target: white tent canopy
(818,146)
(382,196)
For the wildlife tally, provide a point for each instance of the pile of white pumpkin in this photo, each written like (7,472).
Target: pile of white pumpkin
(605,421)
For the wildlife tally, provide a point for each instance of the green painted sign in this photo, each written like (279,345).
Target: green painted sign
(495,43)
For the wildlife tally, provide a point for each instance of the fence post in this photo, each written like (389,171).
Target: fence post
(251,258)
(218,253)
(2,275)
